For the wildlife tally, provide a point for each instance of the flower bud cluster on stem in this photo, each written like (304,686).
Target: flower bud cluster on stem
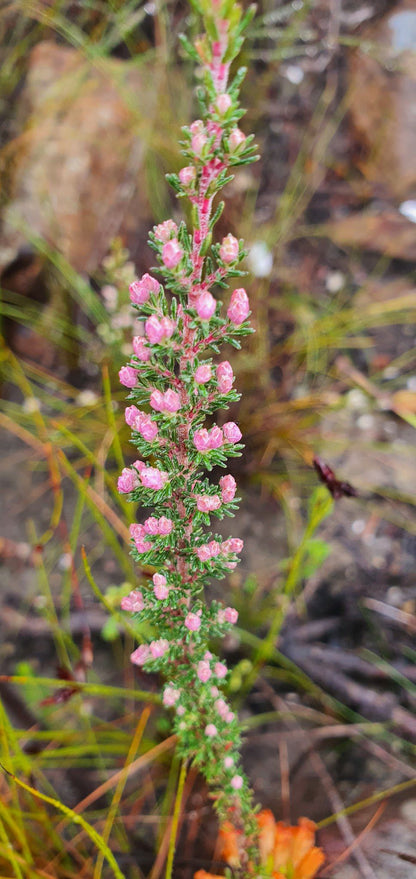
(177,383)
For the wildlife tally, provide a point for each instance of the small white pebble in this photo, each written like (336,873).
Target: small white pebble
(365,422)
(408,810)
(335,281)
(408,210)
(411,383)
(31,405)
(394,596)
(294,73)
(86,398)
(260,259)
(355,399)
(358,526)
(390,372)
(65,561)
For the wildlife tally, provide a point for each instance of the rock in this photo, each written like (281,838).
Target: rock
(387,232)
(382,100)
(75,174)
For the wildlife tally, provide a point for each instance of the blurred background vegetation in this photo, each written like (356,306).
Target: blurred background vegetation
(92,97)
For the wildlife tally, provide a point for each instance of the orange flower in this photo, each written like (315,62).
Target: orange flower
(284,851)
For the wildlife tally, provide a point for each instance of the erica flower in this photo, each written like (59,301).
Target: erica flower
(172,253)
(239,307)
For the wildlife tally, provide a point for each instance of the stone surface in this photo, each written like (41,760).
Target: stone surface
(382,100)
(74,176)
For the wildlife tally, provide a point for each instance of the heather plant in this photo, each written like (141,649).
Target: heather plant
(177,374)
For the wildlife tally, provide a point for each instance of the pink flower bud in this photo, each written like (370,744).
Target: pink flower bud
(237,782)
(153,478)
(133,417)
(198,141)
(168,327)
(223,103)
(206,503)
(148,429)
(229,249)
(140,349)
(235,139)
(221,706)
(228,488)
(172,253)
(165,525)
(232,433)
(216,437)
(133,602)
(172,401)
(239,307)
(203,552)
(203,671)
(140,655)
(214,548)
(197,126)
(187,175)
(170,696)
(228,762)
(159,580)
(158,648)
(157,400)
(139,294)
(231,615)
(192,622)
(220,669)
(161,592)
(203,374)
(166,230)
(202,440)
(229,716)
(151,525)
(206,305)
(150,283)
(180,711)
(154,330)
(210,730)
(225,377)
(233,544)
(137,532)
(127,481)
(128,376)
(214,691)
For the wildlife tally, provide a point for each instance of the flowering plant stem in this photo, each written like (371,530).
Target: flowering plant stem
(175,373)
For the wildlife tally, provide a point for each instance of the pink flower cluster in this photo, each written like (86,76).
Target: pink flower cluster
(205,440)
(141,290)
(149,477)
(158,329)
(224,711)
(134,602)
(228,615)
(152,527)
(160,587)
(228,488)
(141,422)
(206,503)
(169,401)
(170,696)
(204,671)
(154,650)
(207,551)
